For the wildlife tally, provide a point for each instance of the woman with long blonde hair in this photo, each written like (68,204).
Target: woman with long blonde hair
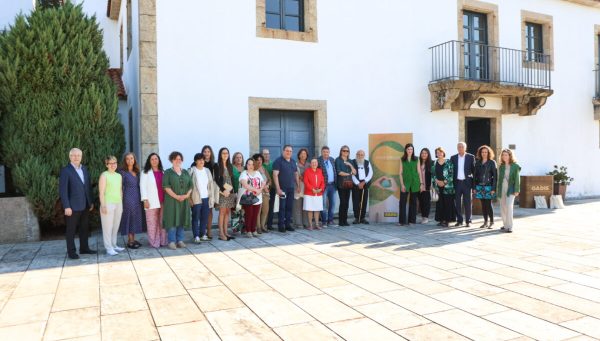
(509,186)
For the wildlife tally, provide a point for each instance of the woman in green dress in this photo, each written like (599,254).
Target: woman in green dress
(409,185)
(177,183)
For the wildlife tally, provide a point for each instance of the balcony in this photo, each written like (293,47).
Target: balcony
(461,72)
(596,99)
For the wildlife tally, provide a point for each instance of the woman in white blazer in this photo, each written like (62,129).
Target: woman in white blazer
(202,198)
(153,196)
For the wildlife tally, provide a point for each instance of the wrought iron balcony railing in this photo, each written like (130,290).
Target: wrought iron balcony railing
(459,60)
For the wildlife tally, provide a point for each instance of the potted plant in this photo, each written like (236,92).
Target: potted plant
(561,180)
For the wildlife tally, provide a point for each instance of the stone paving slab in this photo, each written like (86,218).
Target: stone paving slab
(363,282)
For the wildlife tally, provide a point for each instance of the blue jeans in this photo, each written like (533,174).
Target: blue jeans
(200,218)
(286,207)
(171,234)
(328,197)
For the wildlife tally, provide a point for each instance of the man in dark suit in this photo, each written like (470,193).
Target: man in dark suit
(464,167)
(76,195)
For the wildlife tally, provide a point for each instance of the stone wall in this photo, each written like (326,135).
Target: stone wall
(17,221)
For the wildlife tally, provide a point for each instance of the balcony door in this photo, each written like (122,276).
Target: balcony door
(475,52)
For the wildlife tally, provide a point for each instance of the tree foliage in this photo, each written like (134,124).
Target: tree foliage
(55,95)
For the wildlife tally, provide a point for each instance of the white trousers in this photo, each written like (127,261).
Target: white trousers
(110,225)
(507,203)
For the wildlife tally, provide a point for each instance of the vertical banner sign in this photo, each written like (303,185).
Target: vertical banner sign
(385,151)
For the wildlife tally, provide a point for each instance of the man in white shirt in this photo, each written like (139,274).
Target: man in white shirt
(360,192)
(464,167)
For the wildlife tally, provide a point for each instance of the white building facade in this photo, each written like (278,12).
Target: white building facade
(248,74)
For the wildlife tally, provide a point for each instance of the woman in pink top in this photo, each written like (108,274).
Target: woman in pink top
(153,196)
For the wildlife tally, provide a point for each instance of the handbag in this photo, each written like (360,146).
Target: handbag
(347,182)
(248,199)
(434,194)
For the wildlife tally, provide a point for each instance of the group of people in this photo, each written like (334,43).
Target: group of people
(454,182)
(177,198)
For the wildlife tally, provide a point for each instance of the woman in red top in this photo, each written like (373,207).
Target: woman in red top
(314,184)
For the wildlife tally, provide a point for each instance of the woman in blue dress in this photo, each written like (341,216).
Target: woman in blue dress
(131,220)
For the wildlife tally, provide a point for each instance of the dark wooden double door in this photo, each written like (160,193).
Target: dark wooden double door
(281,127)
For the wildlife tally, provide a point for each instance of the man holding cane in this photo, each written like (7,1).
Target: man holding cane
(360,192)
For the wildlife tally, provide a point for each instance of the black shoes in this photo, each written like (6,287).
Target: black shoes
(366,222)
(355,222)
(74,256)
(88,252)
(281,229)
(132,246)
(289,228)
(457,224)
(468,225)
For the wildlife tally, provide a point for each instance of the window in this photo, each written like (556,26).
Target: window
(537,40)
(129,29)
(534,42)
(285,15)
(287,19)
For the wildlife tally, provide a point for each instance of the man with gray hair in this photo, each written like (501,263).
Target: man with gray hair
(76,196)
(360,192)
(464,167)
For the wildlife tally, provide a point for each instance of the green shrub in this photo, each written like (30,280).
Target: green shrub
(55,95)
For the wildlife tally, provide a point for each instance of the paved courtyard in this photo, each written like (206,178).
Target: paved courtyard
(365,282)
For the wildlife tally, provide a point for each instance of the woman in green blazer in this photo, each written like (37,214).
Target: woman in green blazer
(509,186)
(410,184)
(442,180)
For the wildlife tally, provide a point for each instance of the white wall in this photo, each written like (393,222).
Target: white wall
(209,67)
(564,131)
(109,27)
(372,65)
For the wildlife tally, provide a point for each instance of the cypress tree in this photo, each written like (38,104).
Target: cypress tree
(55,95)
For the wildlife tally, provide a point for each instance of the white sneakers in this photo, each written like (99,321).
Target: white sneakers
(249,234)
(254,234)
(111,252)
(119,249)
(197,240)
(424,220)
(204,238)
